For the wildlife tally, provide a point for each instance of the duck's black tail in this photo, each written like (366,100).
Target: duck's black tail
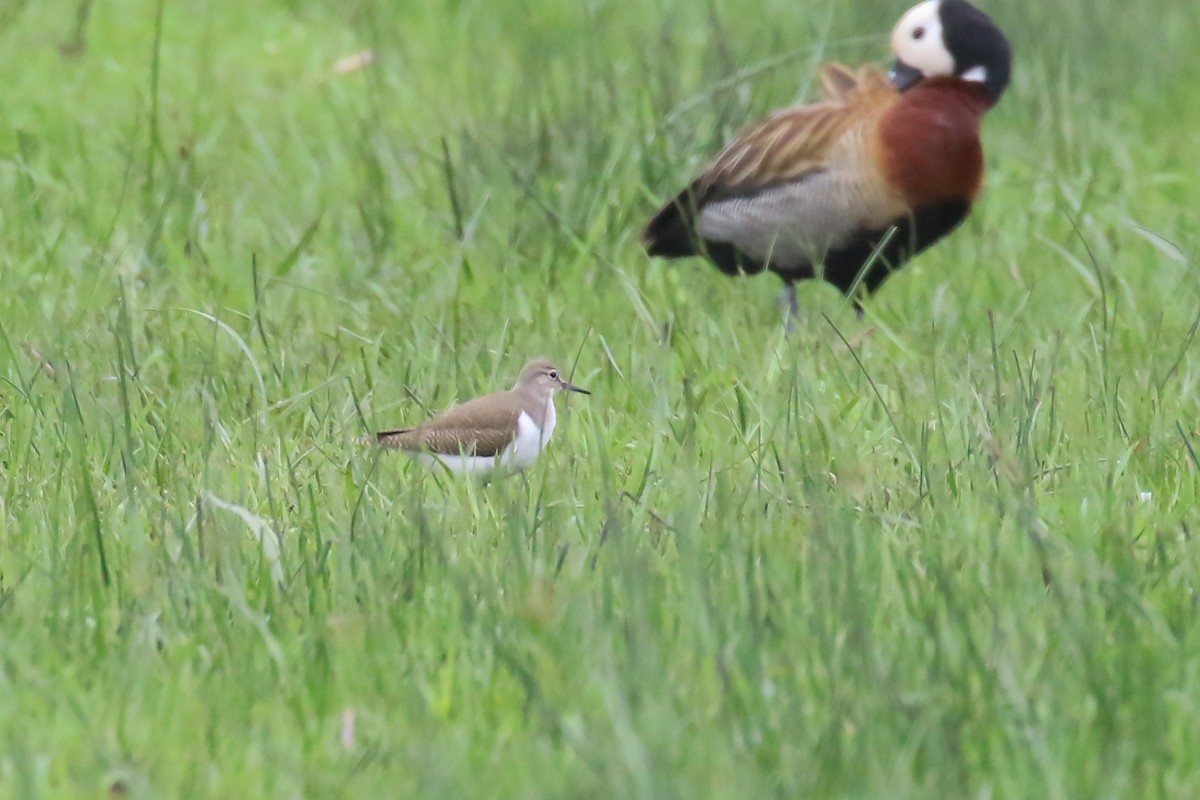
(671,233)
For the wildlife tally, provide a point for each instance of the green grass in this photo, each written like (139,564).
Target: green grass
(945,551)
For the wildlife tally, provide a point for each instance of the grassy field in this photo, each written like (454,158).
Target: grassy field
(948,550)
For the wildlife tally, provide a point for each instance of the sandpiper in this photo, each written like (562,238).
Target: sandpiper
(502,431)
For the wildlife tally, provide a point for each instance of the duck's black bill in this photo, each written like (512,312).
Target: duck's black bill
(903,76)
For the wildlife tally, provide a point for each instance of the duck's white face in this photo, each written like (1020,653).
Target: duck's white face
(918,43)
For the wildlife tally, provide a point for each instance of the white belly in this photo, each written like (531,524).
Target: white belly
(463,465)
(530,440)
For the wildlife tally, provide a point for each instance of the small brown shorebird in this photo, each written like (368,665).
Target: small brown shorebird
(503,431)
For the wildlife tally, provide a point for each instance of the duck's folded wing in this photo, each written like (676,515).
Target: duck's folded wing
(838,80)
(796,142)
(799,172)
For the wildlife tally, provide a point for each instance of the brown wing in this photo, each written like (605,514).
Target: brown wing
(786,147)
(837,81)
(796,141)
(480,427)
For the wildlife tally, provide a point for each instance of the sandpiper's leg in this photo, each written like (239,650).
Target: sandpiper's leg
(790,305)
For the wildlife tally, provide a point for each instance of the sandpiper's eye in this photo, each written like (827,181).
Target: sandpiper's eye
(553,374)
(918,33)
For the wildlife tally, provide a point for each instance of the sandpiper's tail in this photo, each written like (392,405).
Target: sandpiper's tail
(397,439)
